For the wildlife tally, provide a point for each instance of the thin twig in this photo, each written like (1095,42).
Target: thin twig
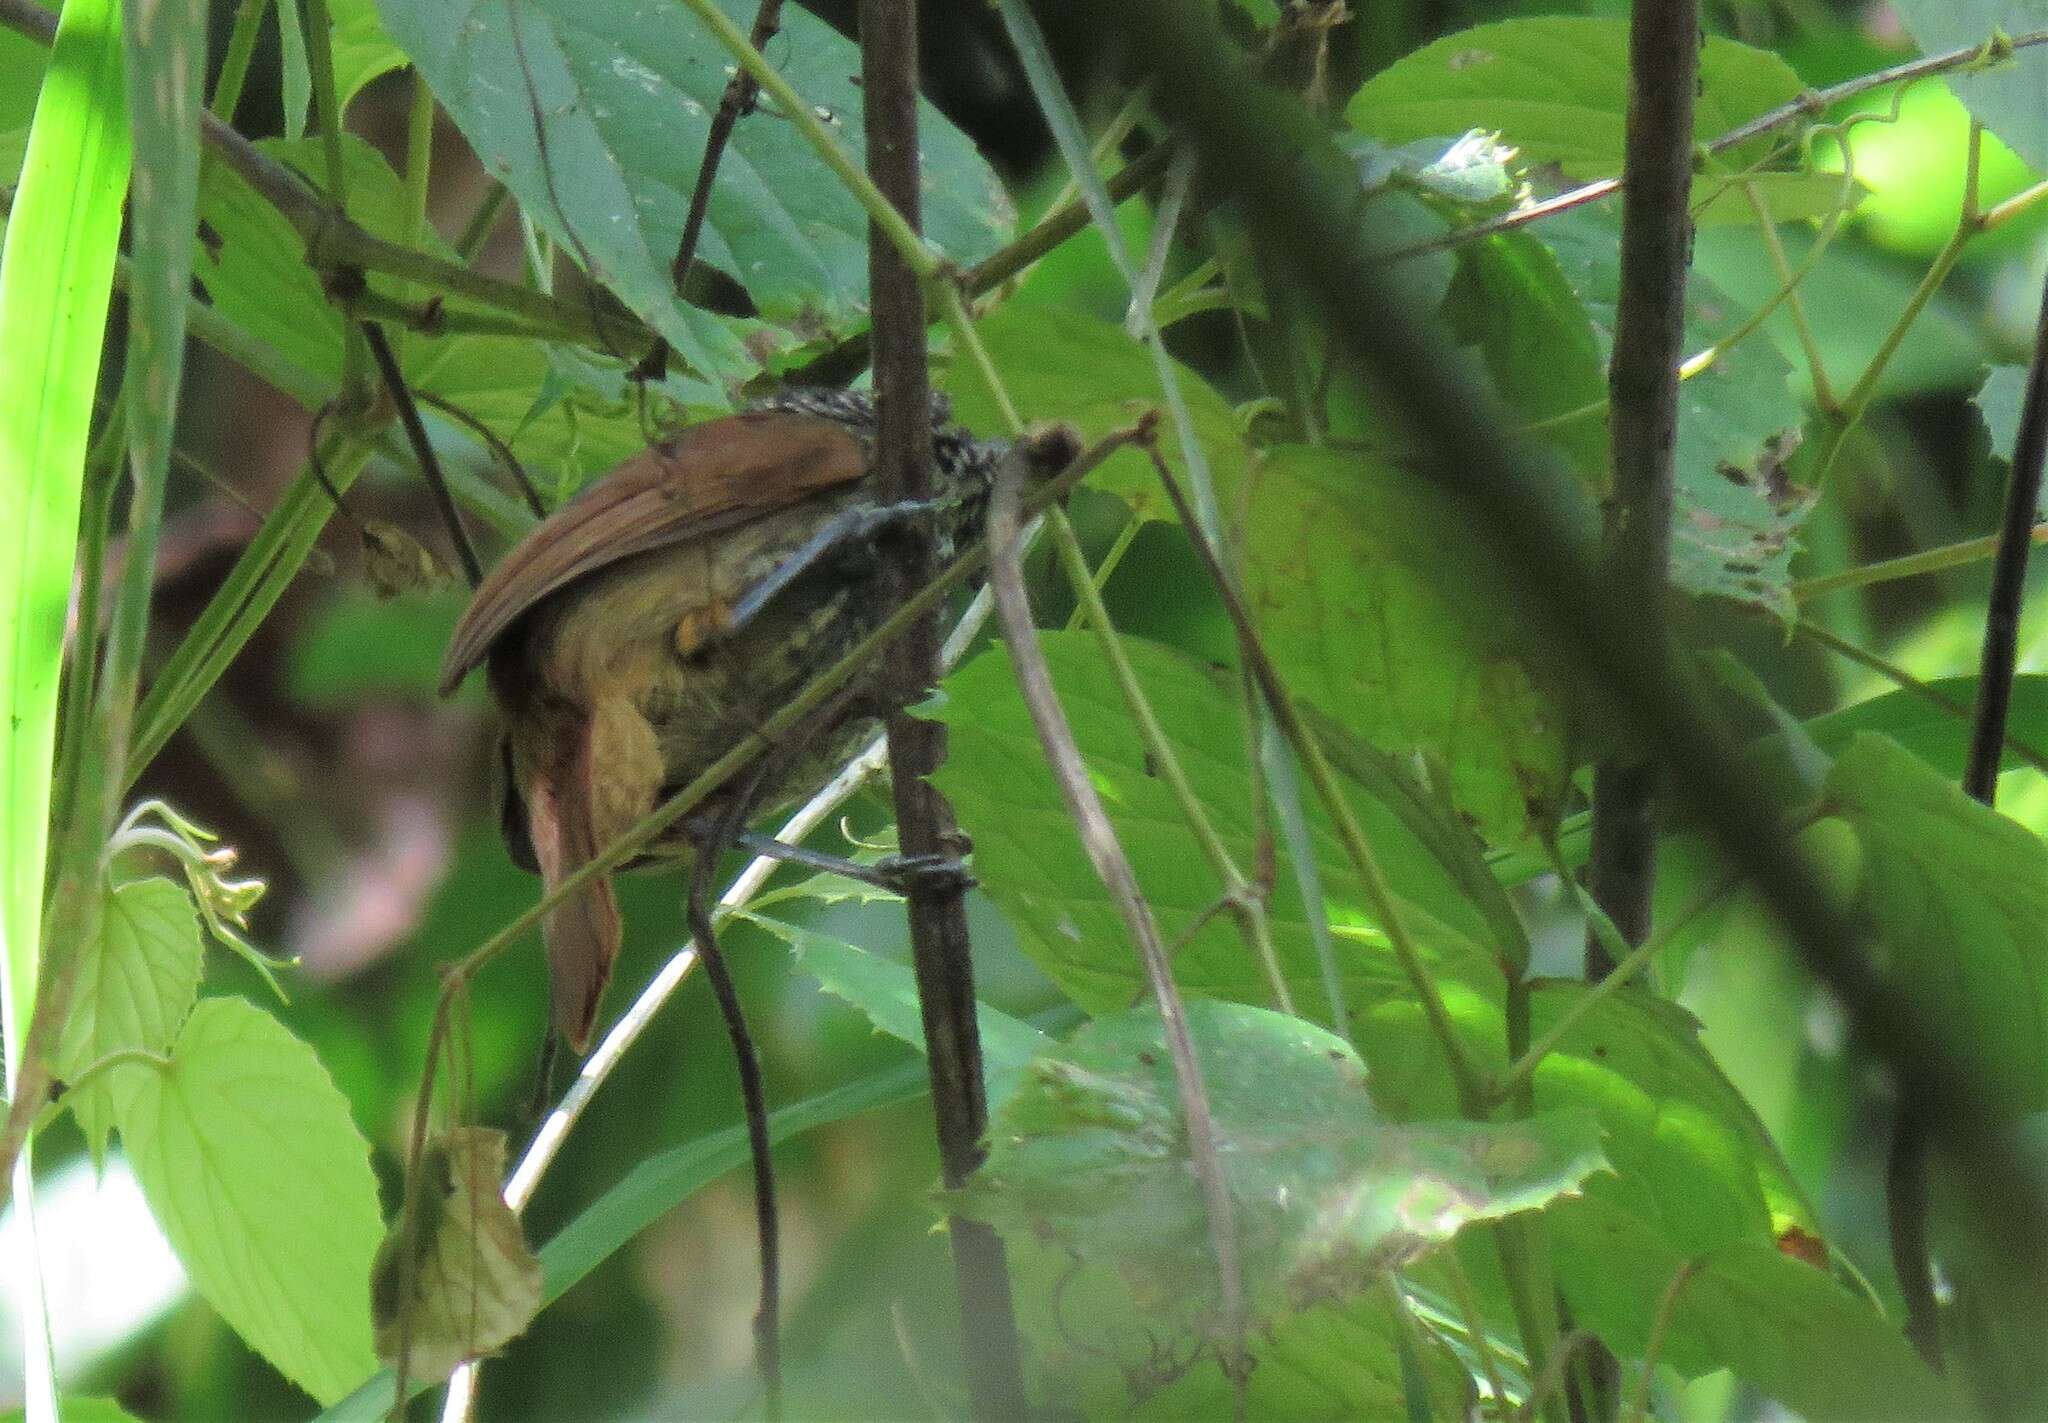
(1106,855)
(753,1100)
(422,449)
(733,105)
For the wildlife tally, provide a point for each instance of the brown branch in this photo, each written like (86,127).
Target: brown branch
(1642,380)
(926,830)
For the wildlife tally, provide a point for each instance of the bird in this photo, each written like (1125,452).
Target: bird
(637,634)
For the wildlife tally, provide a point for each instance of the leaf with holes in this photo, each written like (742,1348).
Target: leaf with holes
(1733,528)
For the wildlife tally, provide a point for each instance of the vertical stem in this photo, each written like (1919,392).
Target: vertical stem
(937,908)
(1649,341)
(1656,242)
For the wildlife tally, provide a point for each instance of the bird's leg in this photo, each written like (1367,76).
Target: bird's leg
(895,873)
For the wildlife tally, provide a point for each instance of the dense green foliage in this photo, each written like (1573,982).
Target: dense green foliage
(1442,1155)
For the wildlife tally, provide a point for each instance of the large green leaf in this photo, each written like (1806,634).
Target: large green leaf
(1513,301)
(1696,1178)
(1999,400)
(362,51)
(595,116)
(1556,87)
(1780,1324)
(1091,1156)
(1336,548)
(1058,364)
(1959,894)
(136,982)
(1732,531)
(1030,861)
(262,1183)
(2010,99)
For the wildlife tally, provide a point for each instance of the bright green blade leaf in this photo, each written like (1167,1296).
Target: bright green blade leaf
(460,1282)
(298,74)
(886,993)
(1556,87)
(622,98)
(1732,531)
(249,1159)
(1337,548)
(136,983)
(1030,861)
(2010,99)
(1058,364)
(1934,734)
(1960,895)
(1091,1155)
(56,274)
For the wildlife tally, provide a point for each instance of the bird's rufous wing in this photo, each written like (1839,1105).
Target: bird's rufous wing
(708,477)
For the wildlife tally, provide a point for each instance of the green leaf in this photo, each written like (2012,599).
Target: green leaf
(1960,895)
(1787,197)
(1091,1156)
(1058,364)
(136,983)
(886,993)
(2010,98)
(1999,401)
(1732,530)
(622,99)
(1512,300)
(262,1184)
(298,74)
(1934,734)
(362,51)
(1094,1353)
(1688,1152)
(1335,549)
(1031,864)
(1778,1323)
(1556,87)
